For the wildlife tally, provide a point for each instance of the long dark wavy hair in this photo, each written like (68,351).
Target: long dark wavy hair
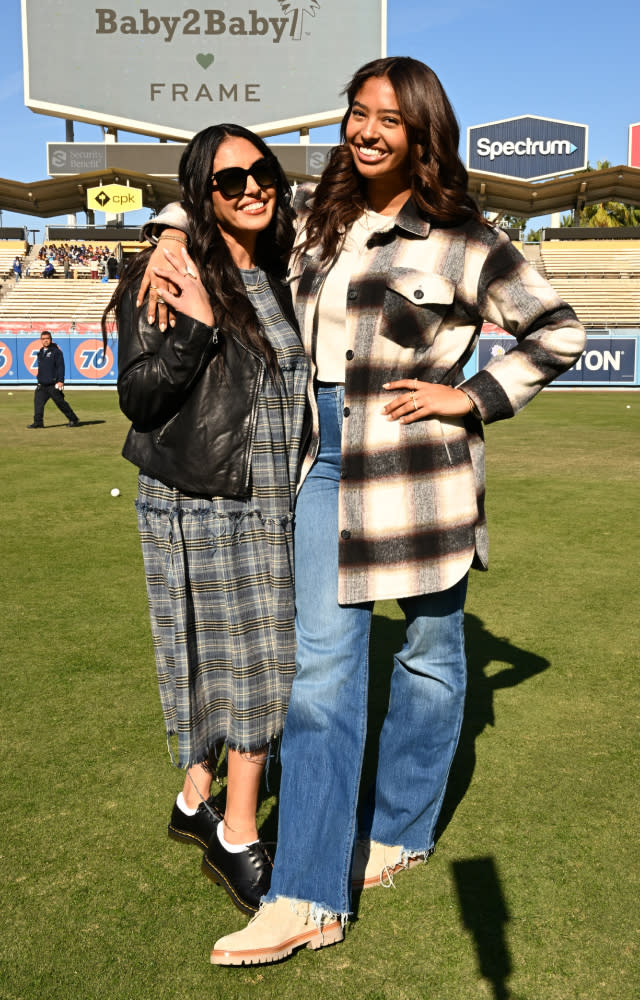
(438,177)
(220,275)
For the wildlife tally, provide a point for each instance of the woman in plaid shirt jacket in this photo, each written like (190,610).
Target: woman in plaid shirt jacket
(394,273)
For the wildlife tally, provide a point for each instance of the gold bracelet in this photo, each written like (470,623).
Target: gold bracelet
(472,406)
(175,238)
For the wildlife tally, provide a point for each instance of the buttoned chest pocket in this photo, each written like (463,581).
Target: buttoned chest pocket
(415,306)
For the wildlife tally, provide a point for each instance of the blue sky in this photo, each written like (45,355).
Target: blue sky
(563,59)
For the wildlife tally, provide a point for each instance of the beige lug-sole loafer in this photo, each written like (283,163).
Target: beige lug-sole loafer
(376,864)
(276,931)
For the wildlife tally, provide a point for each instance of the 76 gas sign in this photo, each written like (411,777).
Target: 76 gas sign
(92,360)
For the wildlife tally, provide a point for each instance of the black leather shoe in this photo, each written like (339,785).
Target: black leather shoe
(73,423)
(246,876)
(196,829)
(31,427)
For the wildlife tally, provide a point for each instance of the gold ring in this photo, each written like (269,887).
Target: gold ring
(160,301)
(154,287)
(415,384)
(190,273)
(413,396)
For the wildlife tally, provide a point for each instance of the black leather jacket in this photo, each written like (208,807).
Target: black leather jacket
(193,420)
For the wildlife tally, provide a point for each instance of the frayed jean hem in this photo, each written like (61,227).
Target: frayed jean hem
(319,913)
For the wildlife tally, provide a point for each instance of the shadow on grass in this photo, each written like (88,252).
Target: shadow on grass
(484,913)
(81,423)
(483,648)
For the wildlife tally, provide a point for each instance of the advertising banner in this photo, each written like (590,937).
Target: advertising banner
(634,145)
(272,65)
(85,359)
(528,147)
(115,198)
(162,159)
(605,360)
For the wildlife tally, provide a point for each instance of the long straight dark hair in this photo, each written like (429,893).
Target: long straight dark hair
(220,275)
(438,177)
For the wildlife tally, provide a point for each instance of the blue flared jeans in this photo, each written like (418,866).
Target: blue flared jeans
(325,729)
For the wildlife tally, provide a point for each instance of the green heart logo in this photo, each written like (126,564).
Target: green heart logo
(205,59)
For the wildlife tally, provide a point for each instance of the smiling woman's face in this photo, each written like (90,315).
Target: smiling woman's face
(376,135)
(248,213)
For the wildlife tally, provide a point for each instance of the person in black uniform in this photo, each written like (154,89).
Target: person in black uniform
(50,364)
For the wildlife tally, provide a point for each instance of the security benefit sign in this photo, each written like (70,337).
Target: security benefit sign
(170,70)
(605,360)
(114,198)
(528,148)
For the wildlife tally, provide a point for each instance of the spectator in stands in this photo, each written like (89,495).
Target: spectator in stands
(50,363)
(66,267)
(17,269)
(112,267)
(49,270)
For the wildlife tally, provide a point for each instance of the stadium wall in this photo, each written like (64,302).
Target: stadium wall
(91,234)
(611,359)
(592,233)
(86,362)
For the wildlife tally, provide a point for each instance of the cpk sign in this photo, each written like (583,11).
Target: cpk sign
(529,147)
(634,145)
(114,198)
(167,70)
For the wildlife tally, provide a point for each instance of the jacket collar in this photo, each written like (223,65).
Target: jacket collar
(411,220)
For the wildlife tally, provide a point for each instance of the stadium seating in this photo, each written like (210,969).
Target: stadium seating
(9,250)
(589,258)
(46,299)
(531,253)
(36,268)
(602,302)
(57,298)
(599,278)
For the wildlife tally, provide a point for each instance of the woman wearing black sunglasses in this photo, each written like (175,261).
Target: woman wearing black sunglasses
(217,404)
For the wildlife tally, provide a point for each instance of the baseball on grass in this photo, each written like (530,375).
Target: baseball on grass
(115,492)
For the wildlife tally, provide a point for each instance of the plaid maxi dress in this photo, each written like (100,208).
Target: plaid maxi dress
(220,574)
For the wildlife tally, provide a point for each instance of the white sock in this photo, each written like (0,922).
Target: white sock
(183,807)
(231,848)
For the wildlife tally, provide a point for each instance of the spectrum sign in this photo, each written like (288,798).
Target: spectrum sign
(529,148)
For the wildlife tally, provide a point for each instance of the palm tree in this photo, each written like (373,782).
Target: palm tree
(609,214)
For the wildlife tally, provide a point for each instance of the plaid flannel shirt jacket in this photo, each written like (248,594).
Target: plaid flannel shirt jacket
(412,496)
(411,508)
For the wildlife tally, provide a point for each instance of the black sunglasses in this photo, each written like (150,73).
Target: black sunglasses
(232,181)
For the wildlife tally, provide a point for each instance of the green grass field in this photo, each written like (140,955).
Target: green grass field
(532,893)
